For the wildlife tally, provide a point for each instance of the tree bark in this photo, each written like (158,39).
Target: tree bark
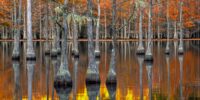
(158,24)
(180,48)
(30,51)
(105,19)
(148,55)
(46,31)
(25,26)
(90,35)
(17,30)
(111,78)
(63,73)
(175,31)
(75,35)
(92,71)
(97,51)
(167,45)
(140,48)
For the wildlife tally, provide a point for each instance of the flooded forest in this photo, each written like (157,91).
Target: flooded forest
(100,49)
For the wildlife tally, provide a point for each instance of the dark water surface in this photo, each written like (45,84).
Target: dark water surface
(170,77)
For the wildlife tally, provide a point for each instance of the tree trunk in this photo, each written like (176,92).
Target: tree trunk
(125,27)
(105,19)
(17,22)
(40,21)
(58,39)
(92,71)
(54,37)
(148,55)
(3,37)
(158,24)
(30,51)
(180,48)
(46,31)
(140,49)
(54,43)
(175,31)
(63,73)
(167,45)
(75,36)
(97,51)
(25,26)
(111,78)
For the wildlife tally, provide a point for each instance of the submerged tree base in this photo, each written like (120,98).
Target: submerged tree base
(112,90)
(30,56)
(75,54)
(62,81)
(141,57)
(47,53)
(97,54)
(15,57)
(92,78)
(54,54)
(111,79)
(167,51)
(63,92)
(148,58)
(140,52)
(93,90)
(180,51)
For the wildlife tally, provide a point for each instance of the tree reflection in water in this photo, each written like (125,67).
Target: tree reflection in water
(93,88)
(30,68)
(180,57)
(17,87)
(149,66)
(75,77)
(140,61)
(166,78)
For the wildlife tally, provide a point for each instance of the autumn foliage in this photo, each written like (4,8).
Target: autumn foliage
(124,9)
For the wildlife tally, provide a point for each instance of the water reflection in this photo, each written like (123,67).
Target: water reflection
(93,89)
(140,61)
(166,78)
(47,66)
(111,78)
(76,78)
(149,73)
(63,92)
(168,75)
(30,70)
(181,76)
(112,91)
(17,90)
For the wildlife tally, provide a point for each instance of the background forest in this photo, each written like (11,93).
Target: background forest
(46,15)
